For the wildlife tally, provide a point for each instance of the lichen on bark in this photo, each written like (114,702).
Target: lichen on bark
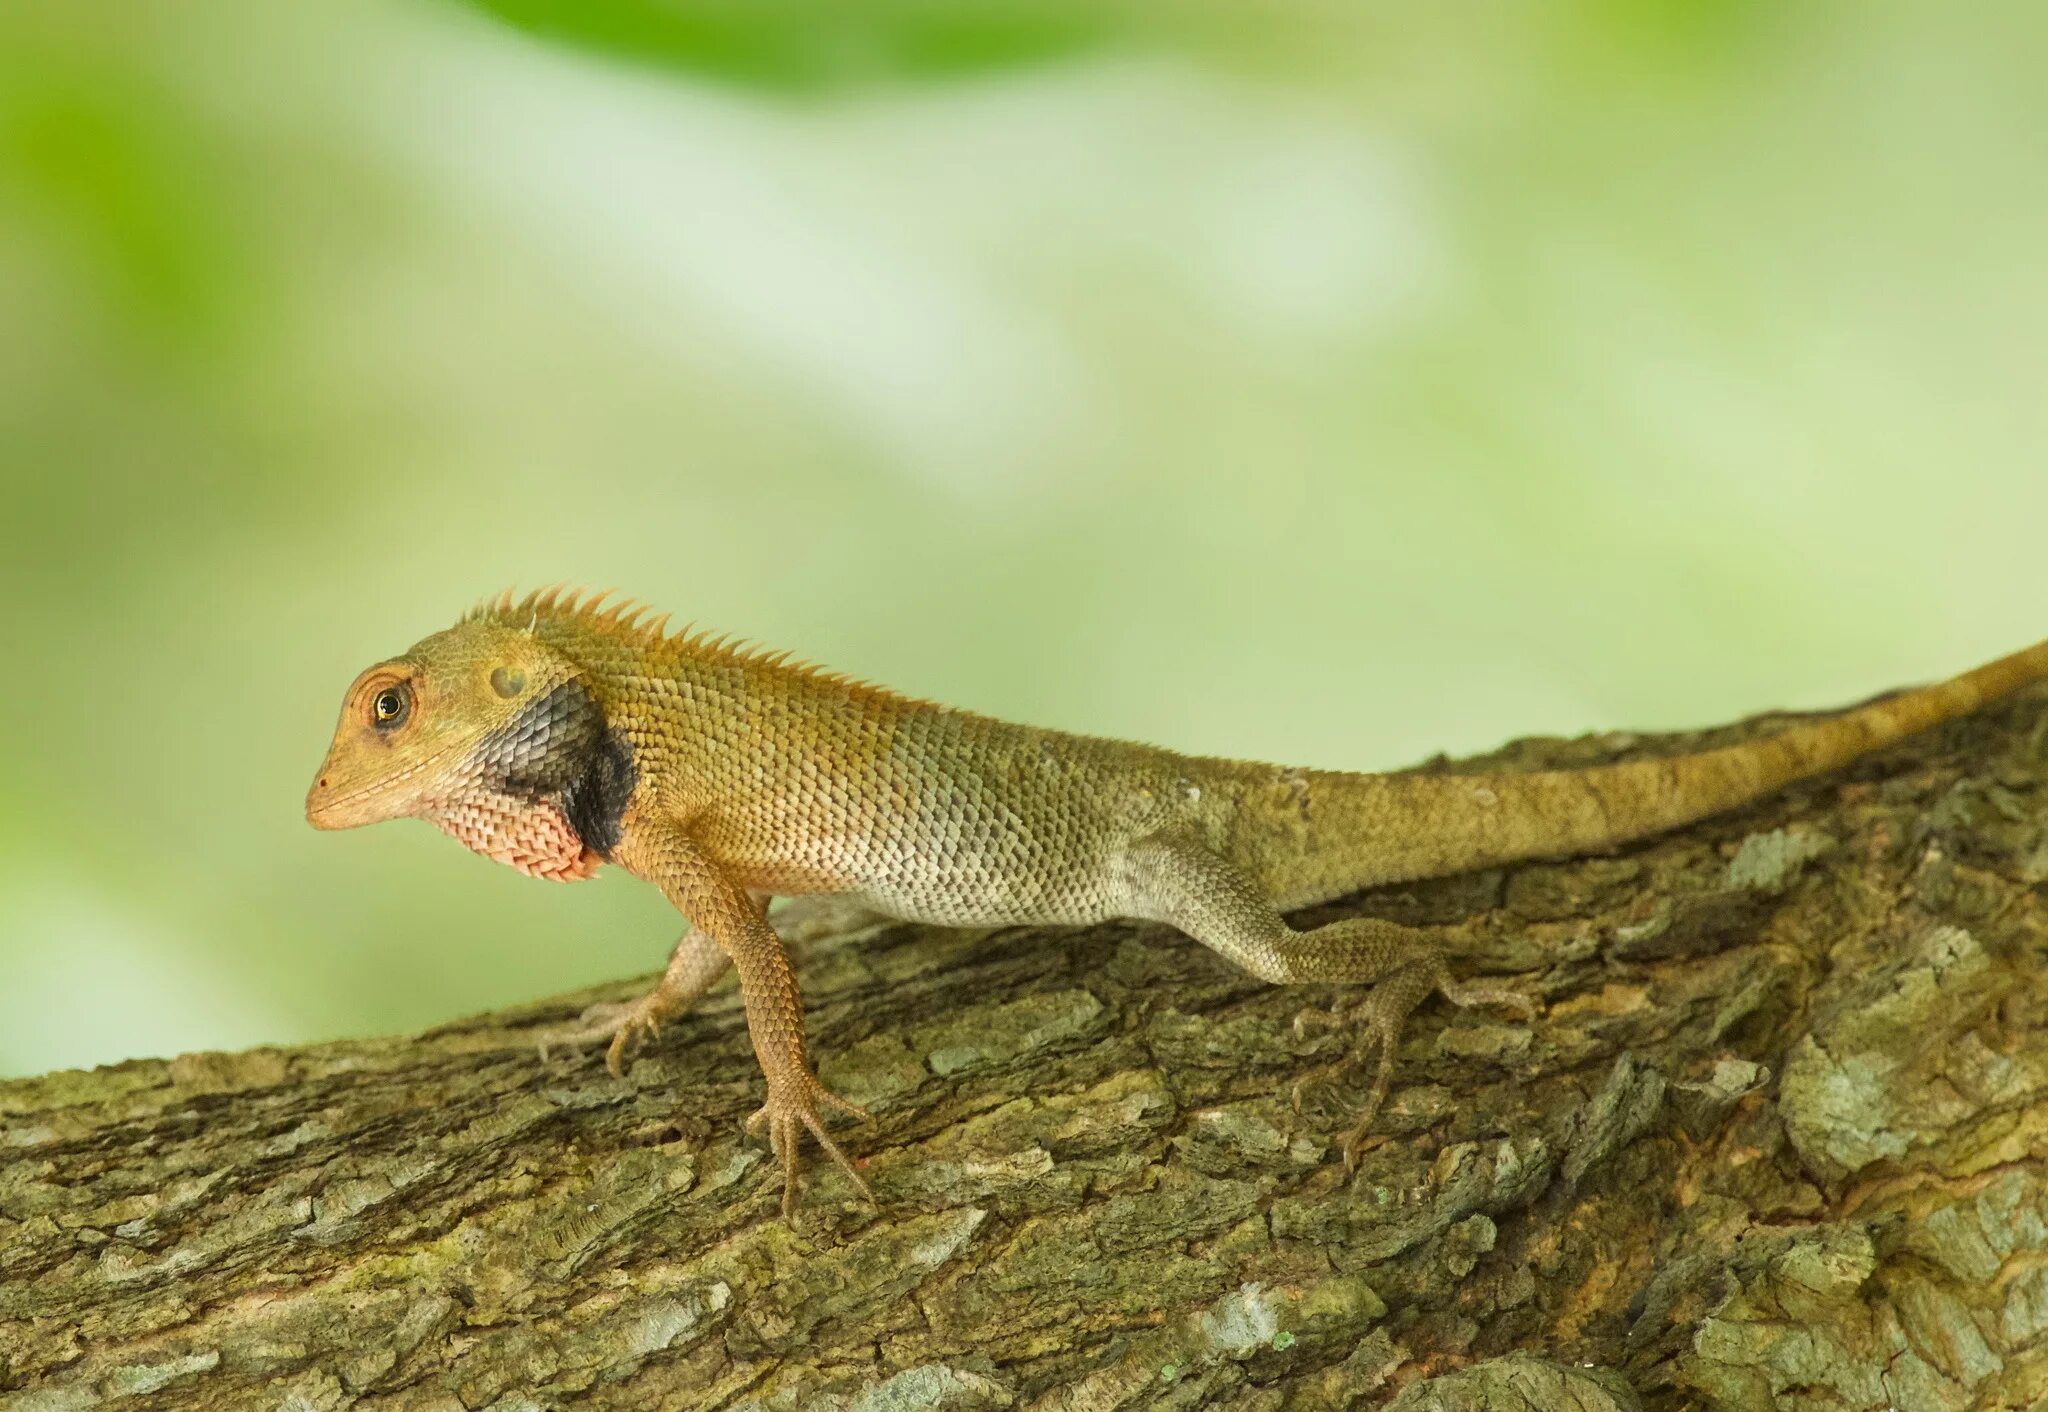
(1778,1139)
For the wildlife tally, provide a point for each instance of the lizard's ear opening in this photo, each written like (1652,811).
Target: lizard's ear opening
(508,681)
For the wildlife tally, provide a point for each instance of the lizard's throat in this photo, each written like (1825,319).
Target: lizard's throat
(547,792)
(534,836)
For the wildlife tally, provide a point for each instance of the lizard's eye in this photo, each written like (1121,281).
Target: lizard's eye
(388,709)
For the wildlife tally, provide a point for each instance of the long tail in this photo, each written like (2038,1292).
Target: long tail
(1319,835)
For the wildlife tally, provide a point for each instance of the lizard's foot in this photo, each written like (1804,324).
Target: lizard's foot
(1382,1017)
(1382,1026)
(620,1022)
(789,1110)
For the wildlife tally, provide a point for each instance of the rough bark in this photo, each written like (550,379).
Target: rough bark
(1779,1138)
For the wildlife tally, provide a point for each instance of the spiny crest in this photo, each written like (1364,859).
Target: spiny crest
(631,619)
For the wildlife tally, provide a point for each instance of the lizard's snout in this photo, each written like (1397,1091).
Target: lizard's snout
(320,805)
(332,804)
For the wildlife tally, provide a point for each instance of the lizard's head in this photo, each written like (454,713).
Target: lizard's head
(489,734)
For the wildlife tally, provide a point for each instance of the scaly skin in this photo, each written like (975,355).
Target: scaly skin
(555,735)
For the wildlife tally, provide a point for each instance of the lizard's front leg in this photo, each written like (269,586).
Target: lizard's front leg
(697,964)
(732,918)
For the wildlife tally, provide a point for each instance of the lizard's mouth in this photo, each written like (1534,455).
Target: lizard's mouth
(332,804)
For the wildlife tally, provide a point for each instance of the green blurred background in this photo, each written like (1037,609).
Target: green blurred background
(1328,383)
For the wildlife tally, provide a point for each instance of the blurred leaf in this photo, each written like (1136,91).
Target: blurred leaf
(94,158)
(807,47)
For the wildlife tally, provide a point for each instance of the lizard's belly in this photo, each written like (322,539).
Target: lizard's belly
(956,852)
(991,906)
(948,886)
(941,889)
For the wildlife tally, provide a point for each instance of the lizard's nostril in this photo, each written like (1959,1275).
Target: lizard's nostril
(323,781)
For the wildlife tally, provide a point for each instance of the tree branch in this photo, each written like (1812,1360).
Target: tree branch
(1779,1138)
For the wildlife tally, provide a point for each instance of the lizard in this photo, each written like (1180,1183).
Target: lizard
(557,733)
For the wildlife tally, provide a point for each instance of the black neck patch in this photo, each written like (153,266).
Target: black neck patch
(560,748)
(595,802)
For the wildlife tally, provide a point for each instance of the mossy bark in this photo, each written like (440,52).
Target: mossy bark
(1779,1138)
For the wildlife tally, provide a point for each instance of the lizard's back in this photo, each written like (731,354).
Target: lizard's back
(803,781)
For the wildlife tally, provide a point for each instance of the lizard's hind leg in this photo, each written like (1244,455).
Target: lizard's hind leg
(1189,886)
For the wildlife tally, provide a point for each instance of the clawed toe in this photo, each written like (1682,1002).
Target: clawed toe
(1355,1143)
(620,1022)
(1381,1019)
(1385,1035)
(786,1117)
(600,1021)
(1379,1028)
(634,1026)
(840,1105)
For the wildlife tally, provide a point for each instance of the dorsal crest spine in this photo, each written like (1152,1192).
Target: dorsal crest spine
(630,619)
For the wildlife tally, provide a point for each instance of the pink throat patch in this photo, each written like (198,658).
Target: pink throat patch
(534,838)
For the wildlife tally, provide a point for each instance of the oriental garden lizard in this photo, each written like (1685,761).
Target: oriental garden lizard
(555,734)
